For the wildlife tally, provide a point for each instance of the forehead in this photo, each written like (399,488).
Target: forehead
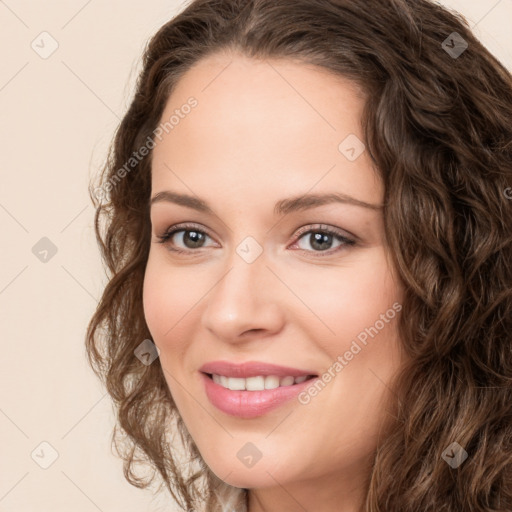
(266,124)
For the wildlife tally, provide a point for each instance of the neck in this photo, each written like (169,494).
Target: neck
(333,493)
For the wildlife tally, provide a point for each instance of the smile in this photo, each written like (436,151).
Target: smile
(257,383)
(243,403)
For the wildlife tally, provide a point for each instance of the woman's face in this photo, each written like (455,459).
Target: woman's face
(267,145)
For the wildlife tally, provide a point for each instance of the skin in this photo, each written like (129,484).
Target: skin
(264,131)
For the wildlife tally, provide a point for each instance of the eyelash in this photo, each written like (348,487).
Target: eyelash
(164,239)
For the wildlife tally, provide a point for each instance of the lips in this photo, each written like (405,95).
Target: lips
(251,404)
(253,369)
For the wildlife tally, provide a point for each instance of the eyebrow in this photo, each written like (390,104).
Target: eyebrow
(282,207)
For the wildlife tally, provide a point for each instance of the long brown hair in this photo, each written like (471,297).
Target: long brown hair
(438,126)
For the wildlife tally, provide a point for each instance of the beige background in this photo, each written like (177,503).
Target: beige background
(58,115)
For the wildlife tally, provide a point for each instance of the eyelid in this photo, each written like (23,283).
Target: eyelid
(185,226)
(336,232)
(324,227)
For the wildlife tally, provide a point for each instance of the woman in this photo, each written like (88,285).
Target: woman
(307,222)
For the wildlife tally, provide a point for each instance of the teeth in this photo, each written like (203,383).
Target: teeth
(271,382)
(255,383)
(258,383)
(287,381)
(236,384)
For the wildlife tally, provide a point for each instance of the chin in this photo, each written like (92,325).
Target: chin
(261,475)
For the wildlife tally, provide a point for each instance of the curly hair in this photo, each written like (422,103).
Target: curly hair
(438,127)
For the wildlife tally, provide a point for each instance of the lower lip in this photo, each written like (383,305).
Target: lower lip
(250,404)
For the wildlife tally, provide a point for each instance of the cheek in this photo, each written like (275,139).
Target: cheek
(171,296)
(165,299)
(350,299)
(154,298)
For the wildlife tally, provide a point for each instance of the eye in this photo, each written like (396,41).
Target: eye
(192,237)
(321,237)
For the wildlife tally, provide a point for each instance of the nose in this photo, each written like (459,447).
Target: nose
(243,304)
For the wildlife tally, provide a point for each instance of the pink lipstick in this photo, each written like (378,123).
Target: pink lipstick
(256,387)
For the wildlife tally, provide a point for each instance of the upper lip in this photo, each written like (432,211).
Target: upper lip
(251,369)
